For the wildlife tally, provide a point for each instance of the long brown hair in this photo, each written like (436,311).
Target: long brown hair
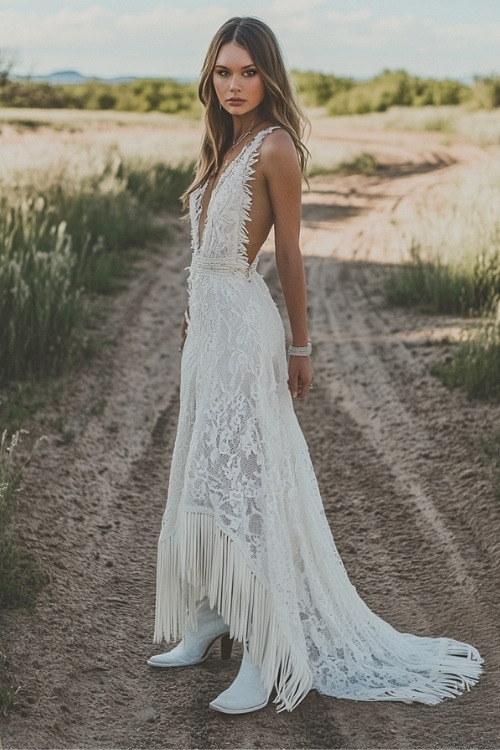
(280,105)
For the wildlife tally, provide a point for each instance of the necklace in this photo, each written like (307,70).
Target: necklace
(237,142)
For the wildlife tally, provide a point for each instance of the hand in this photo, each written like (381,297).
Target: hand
(300,376)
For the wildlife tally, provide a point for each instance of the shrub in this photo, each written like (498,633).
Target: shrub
(396,89)
(162,95)
(486,92)
(316,89)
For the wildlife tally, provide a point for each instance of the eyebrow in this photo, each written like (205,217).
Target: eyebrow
(220,65)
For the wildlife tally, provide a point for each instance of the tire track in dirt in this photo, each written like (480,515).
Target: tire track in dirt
(374,405)
(76,661)
(396,466)
(416,526)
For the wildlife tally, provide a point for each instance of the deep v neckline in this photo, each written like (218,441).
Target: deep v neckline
(202,220)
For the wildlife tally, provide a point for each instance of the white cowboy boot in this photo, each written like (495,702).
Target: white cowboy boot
(246,694)
(196,644)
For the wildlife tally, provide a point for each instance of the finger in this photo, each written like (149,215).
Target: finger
(305,388)
(293,386)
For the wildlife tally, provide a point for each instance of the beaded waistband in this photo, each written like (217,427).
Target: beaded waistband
(224,266)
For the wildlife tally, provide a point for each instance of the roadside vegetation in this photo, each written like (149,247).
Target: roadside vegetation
(144,95)
(339,95)
(476,365)
(67,234)
(455,256)
(479,126)
(393,88)
(454,268)
(77,208)
(344,163)
(20,574)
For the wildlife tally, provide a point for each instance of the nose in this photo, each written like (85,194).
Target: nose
(235,83)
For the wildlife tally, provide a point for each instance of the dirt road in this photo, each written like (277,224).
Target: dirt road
(407,489)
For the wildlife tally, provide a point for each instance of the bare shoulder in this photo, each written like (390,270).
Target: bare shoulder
(277,142)
(278,151)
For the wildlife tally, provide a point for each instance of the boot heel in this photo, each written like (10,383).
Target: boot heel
(226,646)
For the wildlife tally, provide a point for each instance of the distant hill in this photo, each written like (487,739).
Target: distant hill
(72,77)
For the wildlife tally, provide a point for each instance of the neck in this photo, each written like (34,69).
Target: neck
(244,123)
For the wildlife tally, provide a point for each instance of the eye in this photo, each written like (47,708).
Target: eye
(250,73)
(222,73)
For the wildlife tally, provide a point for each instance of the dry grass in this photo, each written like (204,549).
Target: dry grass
(454,267)
(72,204)
(454,256)
(481,127)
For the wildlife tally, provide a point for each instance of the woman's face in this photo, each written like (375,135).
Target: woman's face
(237,82)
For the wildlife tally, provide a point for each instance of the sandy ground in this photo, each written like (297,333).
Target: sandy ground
(407,489)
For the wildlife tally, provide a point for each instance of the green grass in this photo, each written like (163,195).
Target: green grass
(20,576)
(454,268)
(157,186)
(468,288)
(476,365)
(363,163)
(62,241)
(454,255)
(19,403)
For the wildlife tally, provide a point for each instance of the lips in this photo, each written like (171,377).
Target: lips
(235,101)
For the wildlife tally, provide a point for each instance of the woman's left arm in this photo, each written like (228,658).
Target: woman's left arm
(284,183)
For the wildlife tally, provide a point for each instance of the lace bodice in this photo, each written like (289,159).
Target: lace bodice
(224,234)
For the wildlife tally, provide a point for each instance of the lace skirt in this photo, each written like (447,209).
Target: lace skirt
(244,523)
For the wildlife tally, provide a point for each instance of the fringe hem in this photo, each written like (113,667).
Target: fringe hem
(459,669)
(455,672)
(201,561)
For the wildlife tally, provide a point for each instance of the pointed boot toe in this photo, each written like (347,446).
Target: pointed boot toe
(228,705)
(186,655)
(196,644)
(246,694)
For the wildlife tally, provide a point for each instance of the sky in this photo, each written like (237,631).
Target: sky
(359,38)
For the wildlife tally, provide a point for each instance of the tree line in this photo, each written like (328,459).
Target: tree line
(338,95)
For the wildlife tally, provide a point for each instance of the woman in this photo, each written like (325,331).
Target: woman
(245,549)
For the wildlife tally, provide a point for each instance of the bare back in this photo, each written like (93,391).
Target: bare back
(262,209)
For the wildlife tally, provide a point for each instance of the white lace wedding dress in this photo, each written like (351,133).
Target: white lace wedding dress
(244,523)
